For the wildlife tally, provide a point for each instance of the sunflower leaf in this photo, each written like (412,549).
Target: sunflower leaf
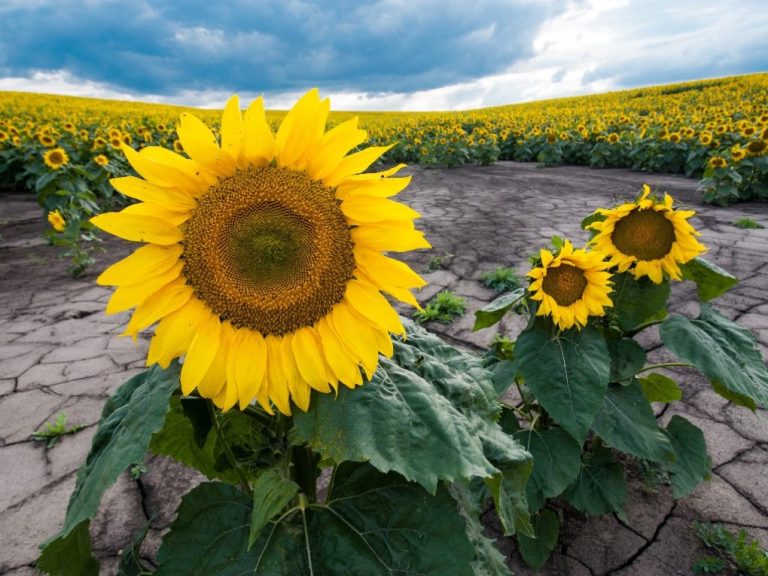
(692,464)
(372,524)
(134,412)
(636,302)
(660,388)
(711,280)
(70,555)
(724,351)
(429,415)
(491,313)
(601,487)
(536,551)
(568,374)
(626,422)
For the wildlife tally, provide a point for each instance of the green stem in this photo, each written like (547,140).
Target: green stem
(663,365)
(227,450)
(642,327)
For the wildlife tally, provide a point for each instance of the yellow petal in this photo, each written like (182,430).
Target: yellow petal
(306,349)
(387,270)
(198,140)
(354,164)
(232,131)
(130,295)
(212,384)
(381,187)
(389,237)
(343,365)
(174,217)
(174,333)
(258,141)
(372,306)
(335,144)
(301,130)
(356,337)
(189,173)
(398,292)
(201,352)
(300,391)
(147,260)
(251,366)
(276,381)
(171,198)
(361,209)
(166,300)
(138,228)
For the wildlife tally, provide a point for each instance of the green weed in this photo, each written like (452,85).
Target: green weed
(51,433)
(735,553)
(501,279)
(748,224)
(444,307)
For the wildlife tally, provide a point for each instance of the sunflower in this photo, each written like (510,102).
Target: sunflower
(56,158)
(756,148)
(648,234)
(101,160)
(613,138)
(717,162)
(46,140)
(571,286)
(56,220)
(263,262)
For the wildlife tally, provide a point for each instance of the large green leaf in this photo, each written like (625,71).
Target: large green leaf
(636,302)
(724,351)
(627,358)
(556,463)
(693,464)
(373,524)
(627,423)
(491,313)
(660,388)
(188,435)
(488,560)
(536,551)
(130,417)
(429,418)
(70,555)
(568,374)
(601,488)
(271,493)
(711,280)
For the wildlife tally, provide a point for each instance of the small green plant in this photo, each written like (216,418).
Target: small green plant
(51,433)
(501,348)
(501,279)
(747,223)
(735,553)
(444,307)
(441,262)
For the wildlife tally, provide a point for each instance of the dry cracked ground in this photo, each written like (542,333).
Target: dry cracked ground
(59,353)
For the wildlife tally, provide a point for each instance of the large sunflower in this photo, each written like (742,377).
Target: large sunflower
(263,262)
(650,235)
(570,286)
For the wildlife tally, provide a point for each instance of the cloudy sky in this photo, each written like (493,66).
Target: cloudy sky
(372,55)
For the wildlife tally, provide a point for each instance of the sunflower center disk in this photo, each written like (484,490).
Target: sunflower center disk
(269,249)
(565,283)
(644,234)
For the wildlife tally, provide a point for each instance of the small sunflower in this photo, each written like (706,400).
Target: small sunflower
(56,158)
(613,138)
(756,148)
(56,220)
(649,235)
(571,286)
(717,162)
(46,140)
(737,154)
(263,262)
(101,160)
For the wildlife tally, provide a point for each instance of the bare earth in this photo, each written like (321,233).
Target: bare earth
(60,353)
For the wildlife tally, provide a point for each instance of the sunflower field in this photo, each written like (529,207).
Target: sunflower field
(337,436)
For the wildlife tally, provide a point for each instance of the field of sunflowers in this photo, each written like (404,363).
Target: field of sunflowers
(65,149)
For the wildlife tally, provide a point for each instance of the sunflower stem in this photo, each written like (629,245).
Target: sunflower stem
(244,484)
(663,365)
(642,327)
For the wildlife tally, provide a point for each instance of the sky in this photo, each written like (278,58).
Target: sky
(372,55)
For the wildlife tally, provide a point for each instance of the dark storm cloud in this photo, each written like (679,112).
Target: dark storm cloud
(151,46)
